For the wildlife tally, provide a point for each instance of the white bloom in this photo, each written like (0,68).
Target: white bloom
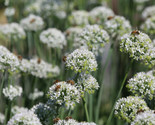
(67,122)
(12,31)
(127,108)
(7,59)
(86,123)
(100,14)
(32,23)
(11,92)
(81,60)
(63,93)
(60,14)
(79,18)
(142,84)
(149,11)
(9,11)
(144,118)
(24,118)
(2,118)
(17,109)
(36,94)
(53,38)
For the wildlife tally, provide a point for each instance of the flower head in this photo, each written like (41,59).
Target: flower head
(127,108)
(2,118)
(11,92)
(9,11)
(36,94)
(64,94)
(53,38)
(81,60)
(148,12)
(17,109)
(32,23)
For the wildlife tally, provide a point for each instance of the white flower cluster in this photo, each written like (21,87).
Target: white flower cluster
(39,68)
(36,94)
(145,118)
(139,46)
(72,33)
(143,85)
(43,112)
(117,26)
(79,18)
(94,38)
(127,108)
(17,109)
(2,118)
(9,11)
(12,31)
(53,38)
(87,83)
(11,92)
(81,60)
(24,118)
(8,59)
(149,26)
(100,14)
(64,94)
(32,23)
(149,12)
(70,121)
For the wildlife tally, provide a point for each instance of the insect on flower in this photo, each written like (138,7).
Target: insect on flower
(56,81)
(64,58)
(57,87)
(135,32)
(68,117)
(39,61)
(71,82)
(140,111)
(56,120)
(110,17)
(33,20)
(67,33)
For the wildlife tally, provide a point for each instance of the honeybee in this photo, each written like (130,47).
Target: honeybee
(20,57)
(68,117)
(135,32)
(67,32)
(39,61)
(33,20)
(110,17)
(57,87)
(64,58)
(56,81)
(56,120)
(71,82)
(140,111)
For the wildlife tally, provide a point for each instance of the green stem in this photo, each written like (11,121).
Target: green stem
(2,83)
(119,93)
(8,112)
(85,107)
(91,107)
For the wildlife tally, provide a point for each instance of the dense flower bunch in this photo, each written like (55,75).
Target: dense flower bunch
(36,94)
(94,38)
(79,18)
(127,108)
(8,59)
(148,12)
(9,11)
(100,14)
(43,112)
(117,26)
(72,33)
(64,94)
(138,46)
(17,109)
(12,31)
(39,68)
(144,118)
(11,92)
(87,83)
(81,60)
(32,23)
(24,118)
(2,118)
(53,38)
(142,84)
(149,26)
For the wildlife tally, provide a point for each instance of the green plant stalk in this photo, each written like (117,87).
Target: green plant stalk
(8,112)
(86,110)
(101,89)
(119,93)
(91,107)
(2,83)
